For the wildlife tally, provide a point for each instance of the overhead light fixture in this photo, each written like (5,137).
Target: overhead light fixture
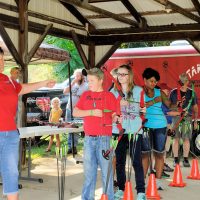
(168,8)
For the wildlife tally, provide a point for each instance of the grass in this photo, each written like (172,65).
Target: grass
(39,151)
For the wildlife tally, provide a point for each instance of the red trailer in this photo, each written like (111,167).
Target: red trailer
(169,61)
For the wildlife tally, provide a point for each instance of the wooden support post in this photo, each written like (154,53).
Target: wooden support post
(108,54)
(91,55)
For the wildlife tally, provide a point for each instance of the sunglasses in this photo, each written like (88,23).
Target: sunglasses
(122,74)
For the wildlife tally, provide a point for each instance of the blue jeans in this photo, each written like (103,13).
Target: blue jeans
(9,155)
(154,139)
(135,153)
(93,147)
(76,136)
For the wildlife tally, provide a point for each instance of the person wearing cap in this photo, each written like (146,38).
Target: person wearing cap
(98,132)
(78,86)
(189,106)
(15,73)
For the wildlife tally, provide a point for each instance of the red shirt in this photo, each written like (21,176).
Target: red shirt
(98,100)
(8,103)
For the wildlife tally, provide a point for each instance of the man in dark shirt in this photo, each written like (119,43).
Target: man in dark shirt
(188,103)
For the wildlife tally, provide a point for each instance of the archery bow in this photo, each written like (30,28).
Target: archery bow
(118,111)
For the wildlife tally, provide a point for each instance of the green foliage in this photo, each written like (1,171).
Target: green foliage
(144,44)
(40,72)
(61,70)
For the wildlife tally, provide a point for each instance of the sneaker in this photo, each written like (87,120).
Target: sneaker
(152,172)
(186,163)
(119,195)
(159,184)
(141,196)
(165,175)
(167,168)
(176,161)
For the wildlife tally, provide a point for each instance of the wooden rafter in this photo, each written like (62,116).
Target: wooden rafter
(146,13)
(75,12)
(42,16)
(87,6)
(142,21)
(10,45)
(179,9)
(99,1)
(80,49)
(108,54)
(146,36)
(194,45)
(12,22)
(38,43)
(196,5)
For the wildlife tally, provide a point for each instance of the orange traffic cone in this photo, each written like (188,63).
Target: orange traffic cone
(104,197)
(194,174)
(152,192)
(128,192)
(177,179)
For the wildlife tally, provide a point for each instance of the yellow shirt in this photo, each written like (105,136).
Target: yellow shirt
(55,115)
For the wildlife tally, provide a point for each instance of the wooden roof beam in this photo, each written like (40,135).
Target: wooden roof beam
(38,43)
(13,23)
(99,1)
(146,36)
(108,54)
(80,49)
(75,12)
(196,5)
(150,29)
(194,45)
(87,6)
(179,9)
(142,21)
(42,16)
(10,45)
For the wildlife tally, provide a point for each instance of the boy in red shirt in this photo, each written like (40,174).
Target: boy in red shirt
(98,131)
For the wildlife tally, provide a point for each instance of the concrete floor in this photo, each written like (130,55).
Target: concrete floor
(46,168)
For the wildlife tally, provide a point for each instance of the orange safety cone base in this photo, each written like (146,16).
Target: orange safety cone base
(172,184)
(194,174)
(104,197)
(194,177)
(152,192)
(128,192)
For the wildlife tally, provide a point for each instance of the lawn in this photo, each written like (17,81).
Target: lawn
(38,150)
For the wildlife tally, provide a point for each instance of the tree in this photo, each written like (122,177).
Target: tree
(61,70)
(145,44)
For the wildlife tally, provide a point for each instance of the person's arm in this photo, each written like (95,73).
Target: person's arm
(29,87)
(66,90)
(85,113)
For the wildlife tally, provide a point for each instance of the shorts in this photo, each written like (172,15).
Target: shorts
(9,156)
(184,129)
(154,140)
